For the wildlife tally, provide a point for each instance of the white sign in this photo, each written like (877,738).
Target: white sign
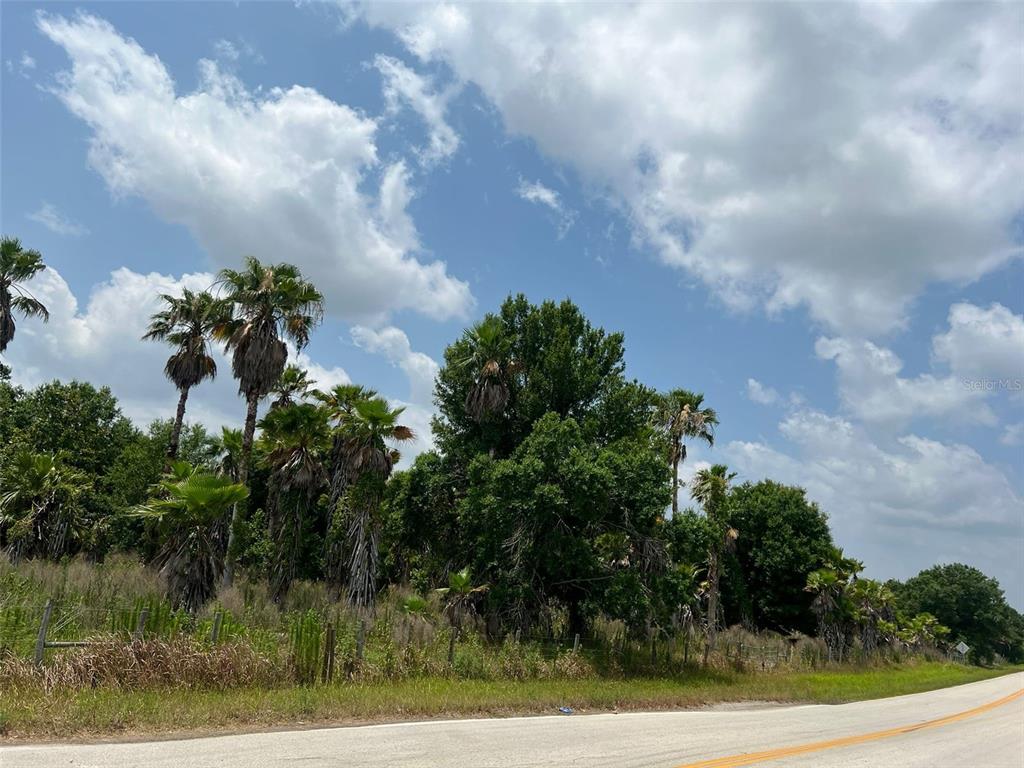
(962,647)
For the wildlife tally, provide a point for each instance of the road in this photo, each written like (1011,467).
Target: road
(980,725)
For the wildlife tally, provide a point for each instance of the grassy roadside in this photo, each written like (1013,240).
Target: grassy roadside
(103,713)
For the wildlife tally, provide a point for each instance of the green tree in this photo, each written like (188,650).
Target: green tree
(189,507)
(269,304)
(710,489)
(41,514)
(186,323)
(17,266)
(550,360)
(490,360)
(970,603)
(293,386)
(785,537)
(459,598)
(873,605)
(682,416)
(371,431)
(562,518)
(295,439)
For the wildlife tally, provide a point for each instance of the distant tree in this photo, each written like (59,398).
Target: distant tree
(340,405)
(189,507)
(971,604)
(17,266)
(831,602)
(372,431)
(459,597)
(186,322)
(547,357)
(269,304)
(784,538)
(489,357)
(293,386)
(683,416)
(568,520)
(41,514)
(710,489)
(295,440)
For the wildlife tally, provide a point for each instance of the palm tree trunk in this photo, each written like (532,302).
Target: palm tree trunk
(179,418)
(252,404)
(712,605)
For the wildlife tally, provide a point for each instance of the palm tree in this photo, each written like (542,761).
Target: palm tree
(873,604)
(373,425)
(339,403)
(17,266)
(460,594)
(229,453)
(828,588)
(40,506)
(710,488)
(831,587)
(293,386)
(681,415)
(186,322)
(269,304)
(189,507)
(295,439)
(490,360)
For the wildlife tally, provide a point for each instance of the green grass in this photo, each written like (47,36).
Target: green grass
(33,714)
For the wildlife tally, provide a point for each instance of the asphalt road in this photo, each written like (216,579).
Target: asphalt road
(980,725)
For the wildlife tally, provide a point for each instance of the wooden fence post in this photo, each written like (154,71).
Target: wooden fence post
(215,632)
(328,671)
(140,624)
(41,637)
(576,643)
(361,639)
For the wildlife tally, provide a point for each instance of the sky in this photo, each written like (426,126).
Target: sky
(811,213)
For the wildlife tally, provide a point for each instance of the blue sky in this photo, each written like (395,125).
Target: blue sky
(810,213)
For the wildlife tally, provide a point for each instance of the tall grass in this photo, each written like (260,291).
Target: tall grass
(258,640)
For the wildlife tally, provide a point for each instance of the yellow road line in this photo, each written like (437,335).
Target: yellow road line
(732,761)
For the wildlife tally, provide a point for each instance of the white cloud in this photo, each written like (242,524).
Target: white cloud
(404,86)
(537,193)
(837,157)
(27,62)
(871,388)
(759,393)
(903,506)
(1013,434)
(102,344)
(421,369)
(285,173)
(227,50)
(51,218)
(982,344)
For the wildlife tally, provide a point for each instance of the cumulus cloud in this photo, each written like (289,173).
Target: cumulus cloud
(285,173)
(404,86)
(759,393)
(537,193)
(982,343)
(101,343)
(392,343)
(871,388)
(421,371)
(55,221)
(896,505)
(838,157)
